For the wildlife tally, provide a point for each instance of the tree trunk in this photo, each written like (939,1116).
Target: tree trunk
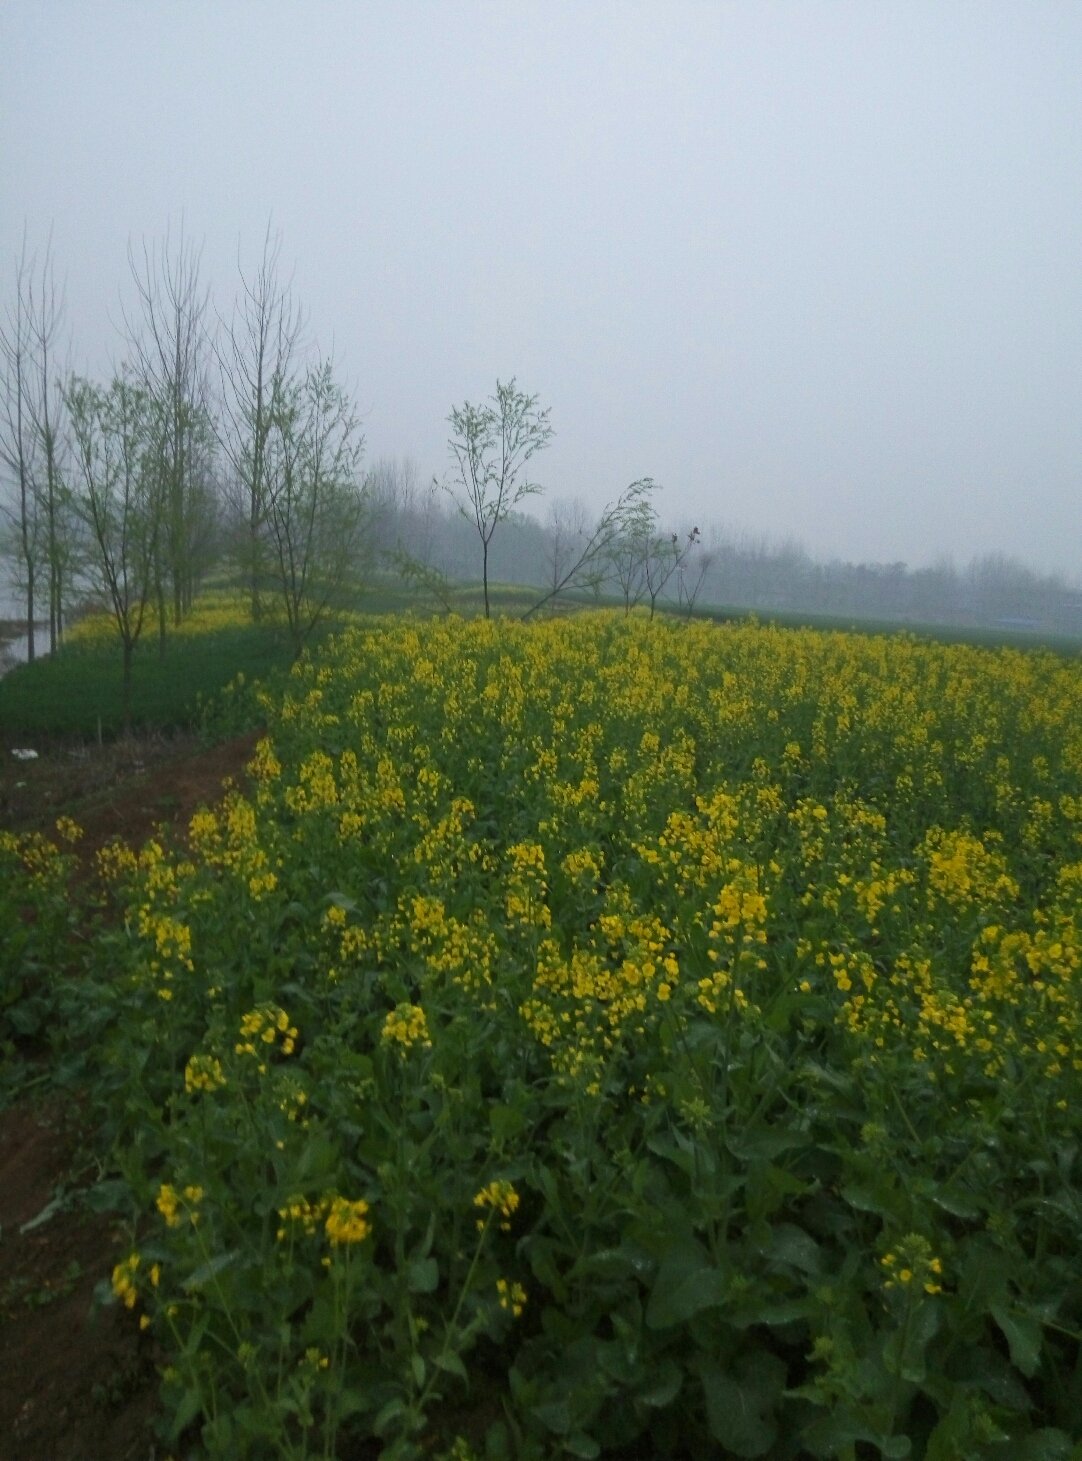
(161,621)
(127,685)
(30,649)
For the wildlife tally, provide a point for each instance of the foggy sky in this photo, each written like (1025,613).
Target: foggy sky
(816,267)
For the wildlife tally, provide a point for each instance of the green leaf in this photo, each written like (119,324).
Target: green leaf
(988,1370)
(452,1364)
(740,1405)
(903,1352)
(580,1444)
(213,1266)
(958,1204)
(352,1401)
(423,1276)
(112,1194)
(686,1284)
(663,1386)
(612,1265)
(765,1141)
(774,1313)
(419,1369)
(388,1415)
(505,1122)
(792,1245)
(555,1414)
(542,1255)
(1045,1445)
(829,1435)
(677,1148)
(895,1448)
(185,1411)
(1023,1335)
(879,1198)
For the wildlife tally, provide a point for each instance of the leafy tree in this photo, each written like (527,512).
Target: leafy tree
(314,505)
(491,446)
(119,495)
(422,576)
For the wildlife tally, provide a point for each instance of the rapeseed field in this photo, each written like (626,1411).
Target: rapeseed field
(609,1037)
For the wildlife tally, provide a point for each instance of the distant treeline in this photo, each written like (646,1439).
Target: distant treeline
(225,438)
(737,570)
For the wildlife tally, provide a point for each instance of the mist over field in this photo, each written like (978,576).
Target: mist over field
(810,268)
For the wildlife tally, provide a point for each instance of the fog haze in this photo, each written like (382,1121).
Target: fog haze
(814,267)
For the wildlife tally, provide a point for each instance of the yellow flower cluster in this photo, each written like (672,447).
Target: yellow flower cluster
(228,840)
(347,1222)
(68,831)
(174,1205)
(302,1216)
(264,765)
(123,1280)
(525,900)
(36,858)
(203,1073)
(912,1265)
(501,1199)
(512,1297)
(262,1031)
(405,1027)
(964,873)
(343,1221)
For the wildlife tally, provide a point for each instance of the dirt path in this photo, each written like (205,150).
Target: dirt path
(79,1382)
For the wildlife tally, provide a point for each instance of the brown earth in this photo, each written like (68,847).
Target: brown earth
(123,789)
(78,1381)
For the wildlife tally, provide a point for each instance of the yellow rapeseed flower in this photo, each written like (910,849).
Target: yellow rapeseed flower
(501,1198)
(346,1222)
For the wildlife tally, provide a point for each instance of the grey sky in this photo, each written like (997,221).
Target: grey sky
(816,267)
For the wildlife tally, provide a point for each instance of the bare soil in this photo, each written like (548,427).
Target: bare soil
(78,1382)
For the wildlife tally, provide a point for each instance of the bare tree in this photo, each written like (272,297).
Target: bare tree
(257,355)
(314,501)
(405,520)
(492,445)
(46,405)
(629,551)
(691,571)
(580,554)
(18,438)
(664,557)
(394,497)
(169,344)
(119,495)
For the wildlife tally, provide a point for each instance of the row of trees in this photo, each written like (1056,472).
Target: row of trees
(213,436)
(232,436)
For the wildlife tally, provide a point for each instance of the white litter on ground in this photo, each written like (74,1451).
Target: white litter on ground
(25,755)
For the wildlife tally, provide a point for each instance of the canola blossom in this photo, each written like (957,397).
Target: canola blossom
(749,959)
